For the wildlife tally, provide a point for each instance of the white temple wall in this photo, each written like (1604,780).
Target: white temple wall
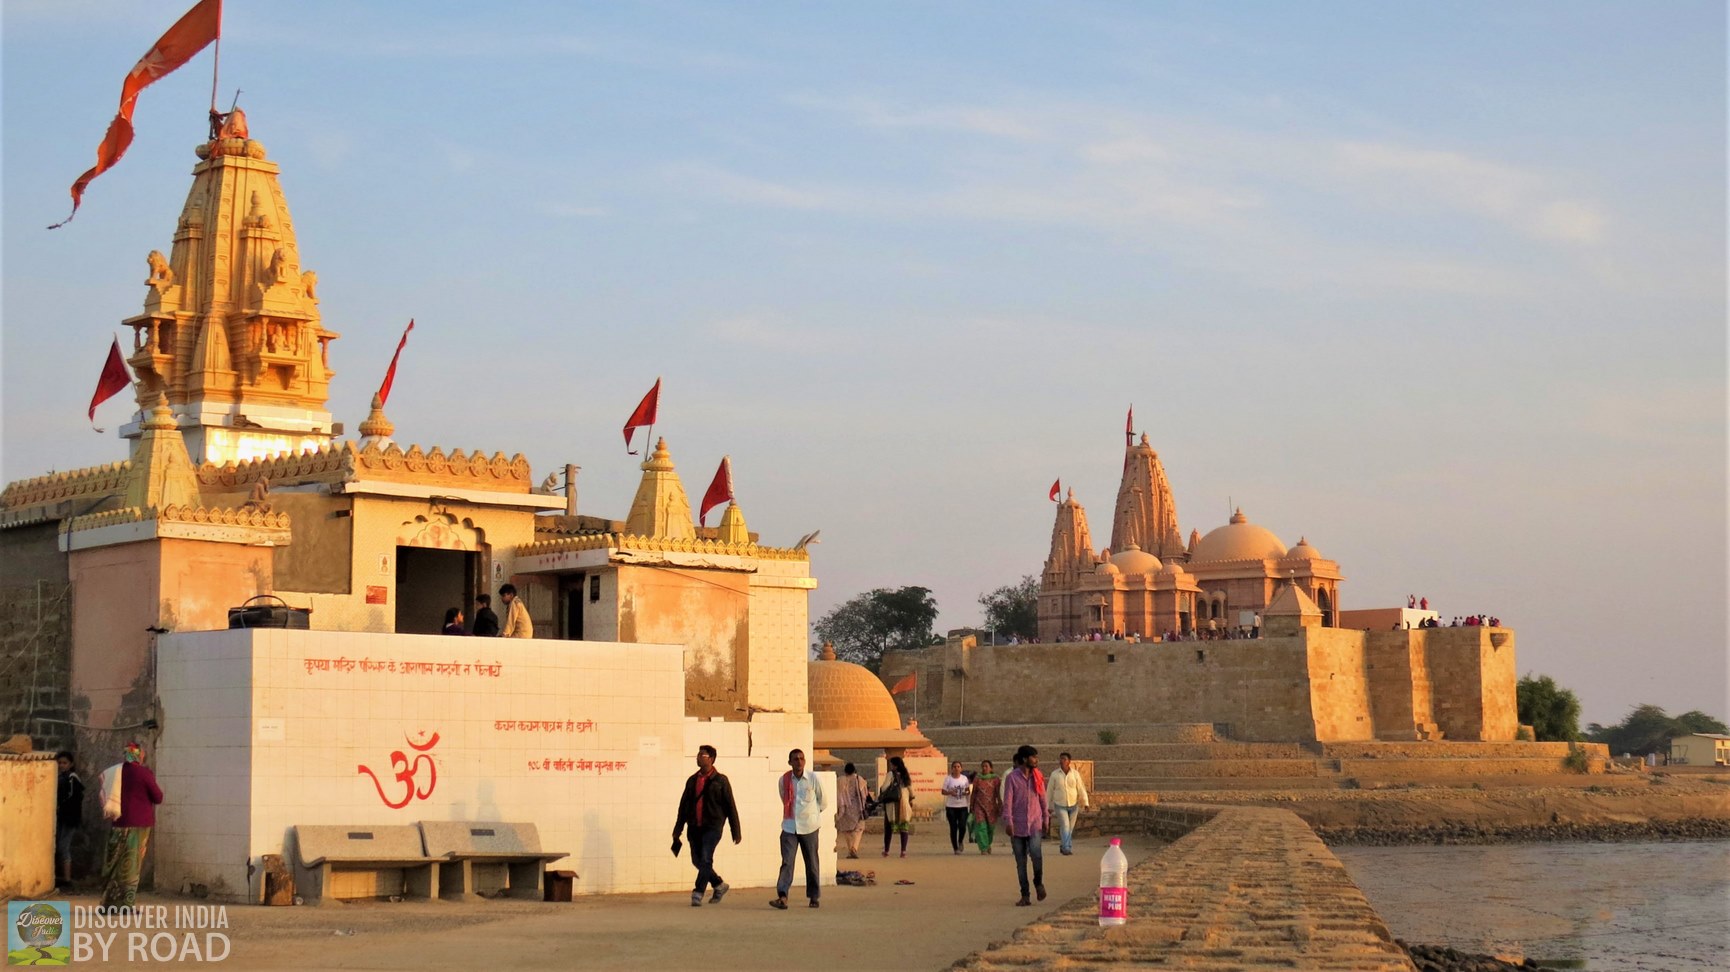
(265,729)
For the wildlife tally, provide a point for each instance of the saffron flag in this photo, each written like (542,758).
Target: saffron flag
(390,373)
(720,489)
(189,35)
(1129,428)
(906,684)
(644,415)
(113,381)
(1056,487)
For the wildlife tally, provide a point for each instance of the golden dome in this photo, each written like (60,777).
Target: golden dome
(1134,560)
(1238,540)
(847,696)
(1303,551)
(1107,569)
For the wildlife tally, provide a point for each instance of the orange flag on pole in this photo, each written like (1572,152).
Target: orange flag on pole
(907,684)
(1056,487)
(390,373)
(644,415)
(189,35)
(720,489)
(113,381)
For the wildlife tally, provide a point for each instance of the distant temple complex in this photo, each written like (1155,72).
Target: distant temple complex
(1148,583)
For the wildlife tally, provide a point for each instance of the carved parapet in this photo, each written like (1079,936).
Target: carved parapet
(334,463)
(126,514)
(625,541)
(91,481)
(474,470)
(224,516)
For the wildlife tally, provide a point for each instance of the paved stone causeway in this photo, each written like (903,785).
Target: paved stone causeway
(1244,888)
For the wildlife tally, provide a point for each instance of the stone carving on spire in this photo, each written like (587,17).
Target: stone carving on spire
(660,508)
(161,274)
(1146,513)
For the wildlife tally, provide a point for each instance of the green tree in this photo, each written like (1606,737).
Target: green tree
(1649,729)
(1552,711)
(871,623)
(1014,608)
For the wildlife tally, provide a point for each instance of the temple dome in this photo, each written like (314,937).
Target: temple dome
(1303,551)
(1239,540)
(1134,560)
(845,696)
(1107,569)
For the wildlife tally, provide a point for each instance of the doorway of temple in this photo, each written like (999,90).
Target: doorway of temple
(428,583)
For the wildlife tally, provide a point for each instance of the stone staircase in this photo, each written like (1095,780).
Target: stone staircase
(1189,757)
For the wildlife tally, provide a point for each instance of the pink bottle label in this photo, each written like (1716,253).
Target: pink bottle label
(1114,902)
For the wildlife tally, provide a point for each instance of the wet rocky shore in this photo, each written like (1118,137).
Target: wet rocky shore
(1440,958)
(1471,833)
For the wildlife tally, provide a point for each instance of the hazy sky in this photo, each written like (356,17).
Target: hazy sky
(1440,286)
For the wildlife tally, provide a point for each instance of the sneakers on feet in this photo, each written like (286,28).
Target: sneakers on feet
(720,892)
(779,904)
(696,899)
(1024,903)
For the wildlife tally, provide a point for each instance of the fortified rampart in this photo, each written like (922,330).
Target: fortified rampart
(1322,684)
(1239,888)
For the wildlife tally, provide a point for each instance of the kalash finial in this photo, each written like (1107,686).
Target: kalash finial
(376,430)
(828,653)
(160,417)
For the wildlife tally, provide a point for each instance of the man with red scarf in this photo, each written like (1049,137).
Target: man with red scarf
(802,808)
(706,803)
(1024,817)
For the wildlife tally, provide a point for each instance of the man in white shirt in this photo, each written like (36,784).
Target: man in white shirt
(1065,796)
(802,809)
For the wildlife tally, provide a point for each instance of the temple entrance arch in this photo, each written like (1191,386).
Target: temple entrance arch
(439,565)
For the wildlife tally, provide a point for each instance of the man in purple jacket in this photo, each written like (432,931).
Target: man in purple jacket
(130,837)
(1024,817)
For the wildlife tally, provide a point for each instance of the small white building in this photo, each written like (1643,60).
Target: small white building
(1701,749)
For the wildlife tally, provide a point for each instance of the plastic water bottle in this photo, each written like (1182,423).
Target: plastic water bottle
(1114,886)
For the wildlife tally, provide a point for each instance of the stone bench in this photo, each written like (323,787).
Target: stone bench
(482,857)
(365,861)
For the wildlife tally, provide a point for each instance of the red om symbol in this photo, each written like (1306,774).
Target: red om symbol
(406,772)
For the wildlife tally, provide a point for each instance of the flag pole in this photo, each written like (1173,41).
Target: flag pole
(216,60)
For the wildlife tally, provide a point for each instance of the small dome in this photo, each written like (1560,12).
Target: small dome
(847,696)
(1107,569)
(1239,540)
(1303,551)
(1171,569)
(1134,560)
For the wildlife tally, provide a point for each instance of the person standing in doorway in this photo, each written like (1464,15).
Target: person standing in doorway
(850,808)
(1066,797)
(486,622)
(130,836)
(802,809)
(706,804)
(517,623)
(957,790)
(68,815)
(1023,815)
(454,622)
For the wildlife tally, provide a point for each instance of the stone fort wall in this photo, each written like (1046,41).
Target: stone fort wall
(1325,684)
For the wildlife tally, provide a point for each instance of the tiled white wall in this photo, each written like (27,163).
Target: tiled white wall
(255,744)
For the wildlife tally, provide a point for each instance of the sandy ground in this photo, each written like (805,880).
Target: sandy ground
(955,906)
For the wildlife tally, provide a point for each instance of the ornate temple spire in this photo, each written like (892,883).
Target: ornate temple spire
(161,473)
(660,508)
(376,430)
(1071,543)
(732,528)
(230,332)
(1146,514)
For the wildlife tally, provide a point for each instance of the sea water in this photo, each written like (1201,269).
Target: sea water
(1597,906)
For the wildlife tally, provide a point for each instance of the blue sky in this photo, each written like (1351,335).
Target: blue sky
(1441,287)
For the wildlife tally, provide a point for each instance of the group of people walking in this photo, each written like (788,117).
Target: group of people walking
(1025,803)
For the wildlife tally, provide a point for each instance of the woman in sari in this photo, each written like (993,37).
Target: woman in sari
(984,805)
(850,808)
(895,792)
(130,837)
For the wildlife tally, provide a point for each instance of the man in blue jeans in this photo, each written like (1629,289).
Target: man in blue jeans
(705,804)
(802,809)
(1024,817)
(1066,794)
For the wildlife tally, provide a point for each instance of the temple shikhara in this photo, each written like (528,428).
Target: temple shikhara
(1148,582)
(651,633)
